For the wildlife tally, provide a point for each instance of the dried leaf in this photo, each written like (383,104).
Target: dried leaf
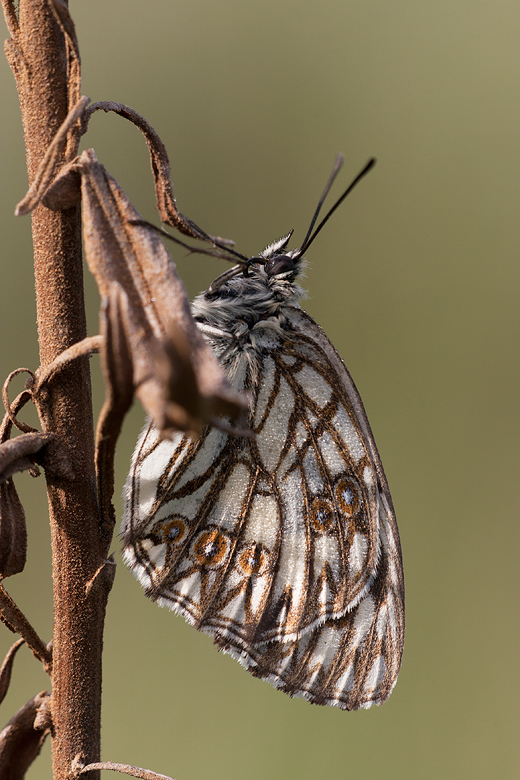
(23,452)
(13,531)
(165,202)
(20,740)
(7,668)
(126,769)
(189,388)
(155,314)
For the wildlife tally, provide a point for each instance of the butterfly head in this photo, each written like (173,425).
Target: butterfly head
(256,290)
(275,262)
(280,262)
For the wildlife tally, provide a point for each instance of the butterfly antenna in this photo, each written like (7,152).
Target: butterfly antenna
(220,244)
(310,238)
(336,169)
(202,236)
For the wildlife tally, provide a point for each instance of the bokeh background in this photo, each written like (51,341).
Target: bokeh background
(416,282)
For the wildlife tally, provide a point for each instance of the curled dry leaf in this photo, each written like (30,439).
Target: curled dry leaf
(125,769)
(13,531)
(176,377)
(165,202)
(24,452)
(7,668)
(21,740)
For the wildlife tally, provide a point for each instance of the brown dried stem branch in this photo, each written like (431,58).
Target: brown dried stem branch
(7,667)
(165,202)
(16,621)
(88,346)
(126,769)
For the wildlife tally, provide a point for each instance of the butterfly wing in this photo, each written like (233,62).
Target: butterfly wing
(282,546)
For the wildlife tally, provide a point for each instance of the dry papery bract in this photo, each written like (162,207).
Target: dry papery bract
(13,531)
(176,377)
(22,739)
(174,373)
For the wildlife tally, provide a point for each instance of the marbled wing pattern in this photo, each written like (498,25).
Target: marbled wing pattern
(283,546)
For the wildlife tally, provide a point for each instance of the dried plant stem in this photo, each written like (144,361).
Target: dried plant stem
(47,87)
(126,769)
(12,616)
(88,346)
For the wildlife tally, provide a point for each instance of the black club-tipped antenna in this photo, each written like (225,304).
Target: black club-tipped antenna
(337,165)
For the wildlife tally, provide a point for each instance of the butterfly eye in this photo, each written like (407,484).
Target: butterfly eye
(252,261)
(279,264)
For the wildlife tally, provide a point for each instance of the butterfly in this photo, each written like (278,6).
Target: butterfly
(281,545)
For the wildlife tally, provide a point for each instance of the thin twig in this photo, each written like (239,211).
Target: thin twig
(7,667)
(8,408)
(87,346)
(126,769)
(7,423)
(15,620)
(52,160)
(165,203)
(10,17)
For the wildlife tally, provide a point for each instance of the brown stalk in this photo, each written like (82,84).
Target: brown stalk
(45,63)
(16,621)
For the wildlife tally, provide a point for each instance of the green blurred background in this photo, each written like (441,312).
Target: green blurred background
(415,280)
